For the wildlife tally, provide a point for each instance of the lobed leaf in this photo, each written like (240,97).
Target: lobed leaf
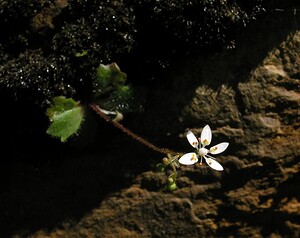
(66,116)
(109,77)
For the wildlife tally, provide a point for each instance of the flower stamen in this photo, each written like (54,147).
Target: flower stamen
(193,158)
(205,142)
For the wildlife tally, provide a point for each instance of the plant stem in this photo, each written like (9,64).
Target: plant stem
(97,109)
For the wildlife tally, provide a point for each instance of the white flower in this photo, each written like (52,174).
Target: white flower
(201,151)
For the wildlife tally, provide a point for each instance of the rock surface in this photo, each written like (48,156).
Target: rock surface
(250,96)
(256,109)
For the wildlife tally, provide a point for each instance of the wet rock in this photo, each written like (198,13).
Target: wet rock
(250,98)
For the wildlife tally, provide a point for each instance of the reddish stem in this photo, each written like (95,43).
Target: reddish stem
(97,109)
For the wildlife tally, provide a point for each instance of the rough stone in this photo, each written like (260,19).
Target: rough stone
(257,193)
(250,97)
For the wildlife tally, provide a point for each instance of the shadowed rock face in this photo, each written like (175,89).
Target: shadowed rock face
(250,96)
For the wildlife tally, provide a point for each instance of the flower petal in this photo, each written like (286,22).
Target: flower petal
(188,159)
(206,135)
(192,139)
(213,164)
(219,148)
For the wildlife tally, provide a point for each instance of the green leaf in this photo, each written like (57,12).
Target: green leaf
(118,100)
(81,54)
(66,116)
(111,92)
(124,99)
(109,78)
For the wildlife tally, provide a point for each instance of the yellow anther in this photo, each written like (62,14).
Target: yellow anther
(215,148)
(193,158)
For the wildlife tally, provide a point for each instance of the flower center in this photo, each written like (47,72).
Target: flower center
(203,152)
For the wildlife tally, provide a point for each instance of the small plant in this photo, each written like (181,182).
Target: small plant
(110,91)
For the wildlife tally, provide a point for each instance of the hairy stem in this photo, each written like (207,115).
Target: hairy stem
(97,109)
